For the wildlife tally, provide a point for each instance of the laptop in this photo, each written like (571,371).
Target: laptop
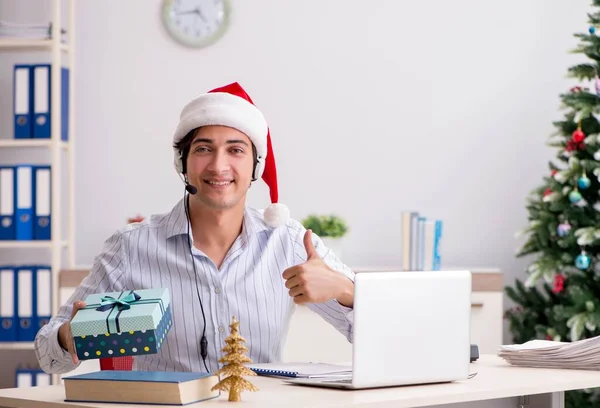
(409,328)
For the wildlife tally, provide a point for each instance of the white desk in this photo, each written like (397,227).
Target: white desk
(495,380)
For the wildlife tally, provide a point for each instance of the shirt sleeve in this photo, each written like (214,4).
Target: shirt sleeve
(339,316)
(106,275)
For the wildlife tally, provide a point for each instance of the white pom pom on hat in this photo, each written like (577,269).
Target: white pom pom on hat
(231,106)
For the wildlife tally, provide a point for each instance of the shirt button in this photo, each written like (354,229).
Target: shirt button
(221,329)
(217,291)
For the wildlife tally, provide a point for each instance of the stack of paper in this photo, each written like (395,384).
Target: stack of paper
(26,30)
(578,355)
(302,370)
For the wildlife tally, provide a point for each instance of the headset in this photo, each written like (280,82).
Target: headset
(203,342)
(259,164)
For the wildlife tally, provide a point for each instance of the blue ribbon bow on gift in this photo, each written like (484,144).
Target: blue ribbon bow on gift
(109,302)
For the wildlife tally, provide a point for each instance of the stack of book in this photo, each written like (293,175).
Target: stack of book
(421,242)
(577,355)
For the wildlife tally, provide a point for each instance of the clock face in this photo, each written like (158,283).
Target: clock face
(196,23)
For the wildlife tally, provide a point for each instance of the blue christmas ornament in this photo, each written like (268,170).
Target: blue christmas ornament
(563,229)
(574,196)
(583,261)
(583,182)
(592,30)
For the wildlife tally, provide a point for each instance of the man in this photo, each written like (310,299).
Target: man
(228,260)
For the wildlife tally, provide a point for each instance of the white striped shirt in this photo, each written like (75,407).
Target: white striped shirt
(249,285)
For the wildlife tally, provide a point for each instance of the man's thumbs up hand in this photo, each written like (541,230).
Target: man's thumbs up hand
(315,282)
(311,252)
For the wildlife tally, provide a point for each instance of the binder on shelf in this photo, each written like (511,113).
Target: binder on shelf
(26,291)
(31,377)
(42,198)
(42,97)
(41,101)
(8,304)
(7,203)
(42,379)
(64,104)
(24,377)
(22,90)
(24,207)
(42,296)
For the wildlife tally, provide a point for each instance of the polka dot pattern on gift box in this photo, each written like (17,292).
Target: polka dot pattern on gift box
(125,343)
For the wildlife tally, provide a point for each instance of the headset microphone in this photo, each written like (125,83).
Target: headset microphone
(190,189)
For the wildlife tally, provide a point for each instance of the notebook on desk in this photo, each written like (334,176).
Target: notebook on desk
(409,328)
(302,370)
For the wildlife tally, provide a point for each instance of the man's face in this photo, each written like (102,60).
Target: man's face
(220,164)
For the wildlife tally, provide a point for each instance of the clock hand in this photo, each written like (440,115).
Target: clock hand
(187,12)
(200,14)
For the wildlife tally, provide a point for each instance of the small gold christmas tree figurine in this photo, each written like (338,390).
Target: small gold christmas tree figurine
(234,367)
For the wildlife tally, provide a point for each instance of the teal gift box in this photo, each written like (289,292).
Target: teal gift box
(117,324)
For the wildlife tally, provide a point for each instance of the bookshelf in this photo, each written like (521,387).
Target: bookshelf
(26,44)
(60,250)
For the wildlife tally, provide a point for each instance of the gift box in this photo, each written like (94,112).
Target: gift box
(128,323)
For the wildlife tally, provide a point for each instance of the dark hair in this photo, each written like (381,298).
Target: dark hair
(184,149)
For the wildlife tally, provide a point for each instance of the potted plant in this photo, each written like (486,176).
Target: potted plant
(330,228)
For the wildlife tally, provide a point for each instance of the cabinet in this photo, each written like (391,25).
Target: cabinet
(59,251)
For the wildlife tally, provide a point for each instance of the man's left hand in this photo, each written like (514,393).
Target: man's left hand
(315,282)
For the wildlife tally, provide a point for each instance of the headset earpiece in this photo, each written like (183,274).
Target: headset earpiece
(259,164)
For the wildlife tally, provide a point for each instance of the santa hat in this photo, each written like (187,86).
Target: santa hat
(231,106)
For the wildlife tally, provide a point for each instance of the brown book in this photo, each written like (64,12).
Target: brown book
(141,387)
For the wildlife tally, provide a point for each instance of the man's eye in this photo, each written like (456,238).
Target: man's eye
(237,150)
(201,149)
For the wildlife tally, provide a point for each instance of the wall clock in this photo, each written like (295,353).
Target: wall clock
(196,23)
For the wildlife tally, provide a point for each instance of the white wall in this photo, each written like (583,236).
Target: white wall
(375,107)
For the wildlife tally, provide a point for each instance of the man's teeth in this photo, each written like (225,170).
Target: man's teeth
(219,183)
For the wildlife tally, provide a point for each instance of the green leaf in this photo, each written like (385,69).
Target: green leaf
(582,71)
(326,225)
(576,324)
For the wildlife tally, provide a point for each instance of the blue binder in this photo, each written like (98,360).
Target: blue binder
(41,100)
(42,295)
(22,92)
(24,203)
(25,377)
(42,187)
(64,107)
(42,97)
(7,202)
(26,292)
(8,304)
(42,379)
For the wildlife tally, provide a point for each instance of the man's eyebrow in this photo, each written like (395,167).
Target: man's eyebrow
(234,141)
(210,141)
(202,140)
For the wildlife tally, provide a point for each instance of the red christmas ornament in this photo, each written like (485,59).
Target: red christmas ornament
(559,283)
(553,172)
(573,145)
(548,337)
(548,191)
(578,136)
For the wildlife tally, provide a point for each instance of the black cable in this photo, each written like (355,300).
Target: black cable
(203,341)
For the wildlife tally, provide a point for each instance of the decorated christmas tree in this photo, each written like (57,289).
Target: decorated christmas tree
(234,368)
(560,298)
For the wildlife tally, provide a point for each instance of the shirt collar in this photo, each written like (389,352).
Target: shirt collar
(177,223)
